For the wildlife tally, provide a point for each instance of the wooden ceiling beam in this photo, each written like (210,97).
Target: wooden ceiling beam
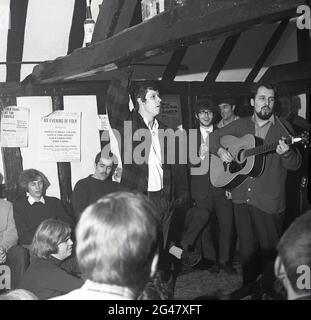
(114,16)
(276,36)
(222,57)
(174,64)
(198,20)
(288,72)
(15,43)
(77,26)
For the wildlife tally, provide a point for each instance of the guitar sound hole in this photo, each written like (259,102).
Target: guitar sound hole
(235,166)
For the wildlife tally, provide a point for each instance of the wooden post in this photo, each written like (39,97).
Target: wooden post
(63,168)
(12,161)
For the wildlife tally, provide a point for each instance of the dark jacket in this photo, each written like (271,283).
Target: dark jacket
(46,279)
(200,184)
(134,175)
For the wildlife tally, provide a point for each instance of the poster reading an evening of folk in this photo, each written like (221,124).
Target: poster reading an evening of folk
(60,137)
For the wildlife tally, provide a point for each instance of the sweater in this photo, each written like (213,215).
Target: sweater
(28,217)
(89,190)
(267,191)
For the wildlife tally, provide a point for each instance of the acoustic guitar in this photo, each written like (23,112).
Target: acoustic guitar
(248,154)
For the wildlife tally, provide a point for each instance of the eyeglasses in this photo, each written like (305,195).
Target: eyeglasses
(205,112)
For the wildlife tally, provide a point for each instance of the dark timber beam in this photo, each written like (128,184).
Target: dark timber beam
(17,89)
(12,158)
(15,44)
(76,34)
(184,25)
(222,57)
(114,16)
(63,168)
(165,87)
(276,36)
(173,66)
(288,72)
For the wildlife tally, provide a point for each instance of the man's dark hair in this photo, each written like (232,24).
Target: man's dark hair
(205,104)
(228,99)
(267,85)
(142,90)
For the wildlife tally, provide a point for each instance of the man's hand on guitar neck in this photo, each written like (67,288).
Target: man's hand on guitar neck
(224,155)
(282,147)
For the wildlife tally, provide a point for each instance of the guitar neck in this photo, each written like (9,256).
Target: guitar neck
(265,148)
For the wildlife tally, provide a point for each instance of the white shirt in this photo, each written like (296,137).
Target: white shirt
(98,291)
(31,200)
(205,131)
(155,170)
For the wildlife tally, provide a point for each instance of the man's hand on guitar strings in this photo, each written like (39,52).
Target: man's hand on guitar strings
(282,147)
(224,155)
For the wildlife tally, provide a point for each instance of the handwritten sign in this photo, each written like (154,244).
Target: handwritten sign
(14,127)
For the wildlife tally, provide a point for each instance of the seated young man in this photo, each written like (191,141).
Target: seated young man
(48,274)
(117,248)
(34,206)
(293,263)
(88,190)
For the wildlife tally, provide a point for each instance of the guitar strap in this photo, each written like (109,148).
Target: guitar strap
(283,125)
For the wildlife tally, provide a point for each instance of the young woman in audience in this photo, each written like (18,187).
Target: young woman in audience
(48,274)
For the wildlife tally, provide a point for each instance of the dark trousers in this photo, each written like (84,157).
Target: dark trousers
(258,235)
(17,260)
(162,206)
(200,227)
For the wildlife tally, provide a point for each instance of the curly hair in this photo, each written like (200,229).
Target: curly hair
(30,175)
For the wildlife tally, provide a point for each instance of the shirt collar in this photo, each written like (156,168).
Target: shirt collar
(31,200)
(109,289)
(271,119)
(208,129)
(155,125)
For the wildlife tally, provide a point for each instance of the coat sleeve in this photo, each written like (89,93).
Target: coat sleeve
(10,233)
(291,160)
(80,199)
(117,101)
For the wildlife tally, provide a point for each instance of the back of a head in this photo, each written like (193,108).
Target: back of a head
(117,239)
(18,294)
(294,249)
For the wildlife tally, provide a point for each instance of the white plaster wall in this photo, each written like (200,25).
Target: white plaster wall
(39,107)
(90,141)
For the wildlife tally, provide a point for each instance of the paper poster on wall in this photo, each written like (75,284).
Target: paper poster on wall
(14,127)
(171,111)
(60,137)
(103,122)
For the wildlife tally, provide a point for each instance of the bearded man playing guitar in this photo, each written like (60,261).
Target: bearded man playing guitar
(259,201)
